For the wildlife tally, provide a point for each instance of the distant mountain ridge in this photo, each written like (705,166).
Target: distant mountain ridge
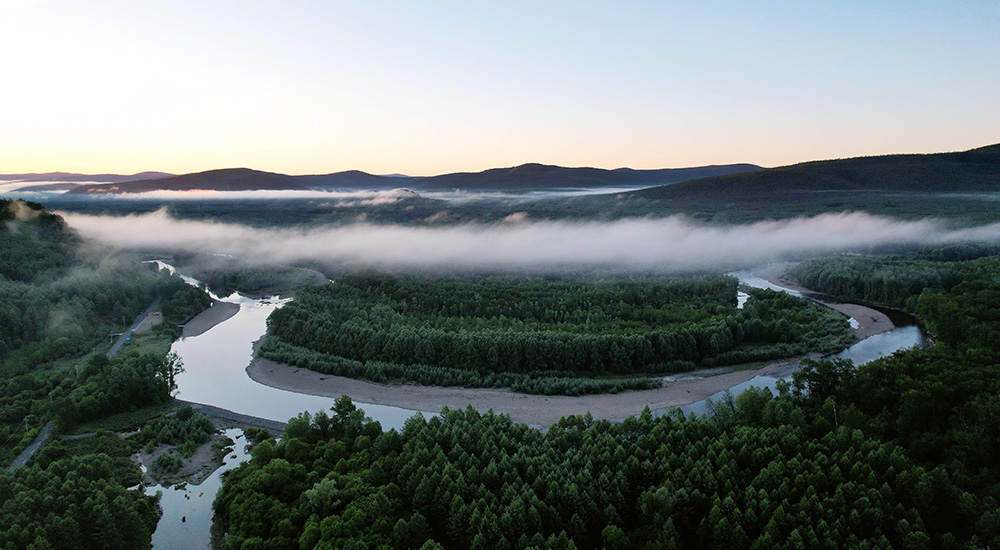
(74,177)
(967,171)
(226,179)
(520,178)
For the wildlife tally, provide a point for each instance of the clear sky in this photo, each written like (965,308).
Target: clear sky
(438,86)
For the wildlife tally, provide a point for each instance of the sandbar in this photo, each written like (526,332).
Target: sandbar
(544,410)
(208,318)
(537,410)
(870,321)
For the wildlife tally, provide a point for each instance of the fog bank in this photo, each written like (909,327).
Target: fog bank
(662,244)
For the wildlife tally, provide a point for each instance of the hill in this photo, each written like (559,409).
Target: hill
(353,179)
(974,170)
(520,178)
(63,177)
(962,184)
(228,179)
(535,176)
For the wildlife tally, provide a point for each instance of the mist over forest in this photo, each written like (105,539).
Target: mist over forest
(672,244)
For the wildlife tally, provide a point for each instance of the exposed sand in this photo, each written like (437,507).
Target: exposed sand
(196,468)
(540,410)
(217,313)
(870,321)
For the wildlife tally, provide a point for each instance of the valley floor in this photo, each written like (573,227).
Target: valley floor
(543,410)
(537,410)
(870,321)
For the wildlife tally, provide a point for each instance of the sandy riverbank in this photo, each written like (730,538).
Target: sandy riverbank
(196,468)
(217,313)
(870,321)
(539,410)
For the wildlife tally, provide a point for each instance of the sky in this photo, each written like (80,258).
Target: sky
(424,88)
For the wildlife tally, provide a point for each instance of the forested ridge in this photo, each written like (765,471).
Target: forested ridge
(902,452)
(59,299)
(540,335)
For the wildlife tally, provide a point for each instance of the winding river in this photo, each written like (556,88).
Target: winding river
(215,374)
(906,335)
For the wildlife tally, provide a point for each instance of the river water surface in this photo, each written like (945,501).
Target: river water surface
(869,349)
(215,374)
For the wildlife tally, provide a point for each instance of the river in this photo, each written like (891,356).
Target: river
(906,335)
(215,374)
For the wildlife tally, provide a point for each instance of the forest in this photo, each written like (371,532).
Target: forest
(902,452)
(60,298)
(540,335)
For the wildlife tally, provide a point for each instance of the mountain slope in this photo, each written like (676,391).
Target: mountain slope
(227,179)
(520,178)
(353,179)
(535,176)
(962,186)
(967,171)
(73,177)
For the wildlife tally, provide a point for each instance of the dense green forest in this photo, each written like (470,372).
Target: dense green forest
(60,298)
(902,452)
(540,335)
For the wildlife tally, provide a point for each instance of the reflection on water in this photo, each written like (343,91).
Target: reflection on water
(883,344)
(215,371)
(187,513)
(749,279)
(215,365)
(215,374)
(867,350)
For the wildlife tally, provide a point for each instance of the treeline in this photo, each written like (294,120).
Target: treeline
(224,279)
(185,429)
(942,404)
(898,453)
(884,280)
(541,382)
(761,477)
(429,329)
(73,504)
(102,387)
(60,298)
(951,288)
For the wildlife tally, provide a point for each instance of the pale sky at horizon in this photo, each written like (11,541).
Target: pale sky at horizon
(433,87)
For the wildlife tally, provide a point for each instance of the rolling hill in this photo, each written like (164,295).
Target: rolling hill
(964,185)
(526,177)
(967,171)
(535,176)
(228,179)
(64,177)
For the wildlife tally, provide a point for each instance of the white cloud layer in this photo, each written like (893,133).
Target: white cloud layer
(663,244)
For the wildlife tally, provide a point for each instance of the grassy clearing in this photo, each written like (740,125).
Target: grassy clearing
(127,421)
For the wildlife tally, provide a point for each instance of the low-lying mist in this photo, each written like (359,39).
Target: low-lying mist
(672,244)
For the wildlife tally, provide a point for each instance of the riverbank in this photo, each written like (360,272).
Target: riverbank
(538,410)
(196,468)
(542,410)
(202,322)
(870,321)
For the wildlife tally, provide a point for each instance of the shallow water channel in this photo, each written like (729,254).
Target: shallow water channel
(215,374)
(906,335)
